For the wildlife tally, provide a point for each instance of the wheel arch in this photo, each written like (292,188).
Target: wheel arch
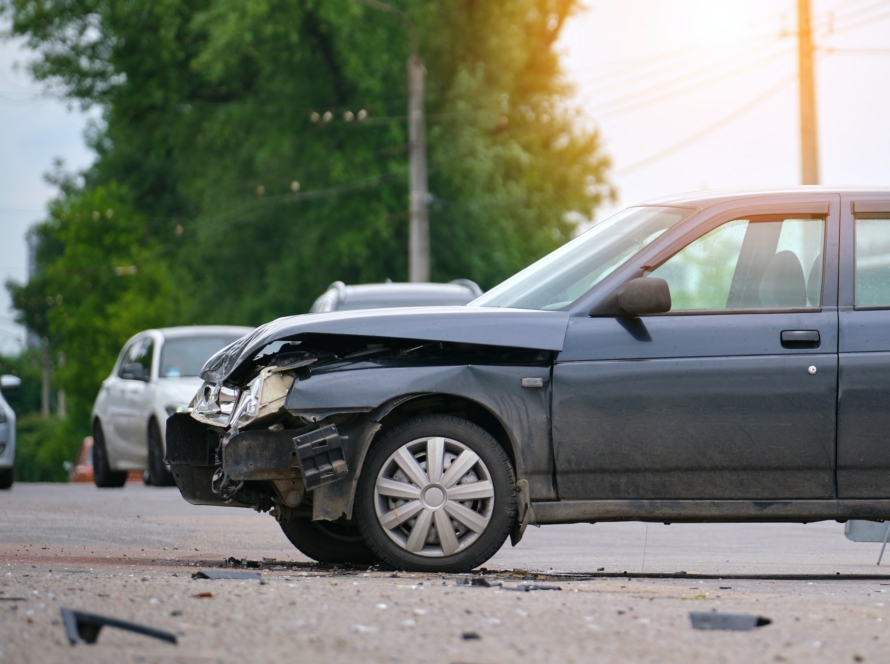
(337,500)
(460,406)
(363,402)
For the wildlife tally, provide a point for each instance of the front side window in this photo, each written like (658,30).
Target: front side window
(772,262)
(146,353)
(872,262)
(131,355)
(563,276)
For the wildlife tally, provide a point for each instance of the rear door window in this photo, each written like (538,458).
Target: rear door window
(872,279)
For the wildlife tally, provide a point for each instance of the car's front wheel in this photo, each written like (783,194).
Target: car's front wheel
(103,476)
(327,541)
(6,477)
(158,475)
(436,494)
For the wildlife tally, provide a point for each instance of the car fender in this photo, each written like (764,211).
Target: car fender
(522,412)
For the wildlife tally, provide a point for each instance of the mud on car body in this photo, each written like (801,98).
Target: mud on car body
(722,356)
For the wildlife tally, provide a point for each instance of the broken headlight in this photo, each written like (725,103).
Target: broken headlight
(213,404)
(262,396)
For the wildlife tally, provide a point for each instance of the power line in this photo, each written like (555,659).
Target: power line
(831,18)
(666,59)
(756,46)
(686,142)
(861,22)
(637,66)
(633,102)
(856,51)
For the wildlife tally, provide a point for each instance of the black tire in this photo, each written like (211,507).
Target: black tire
(158,475)
(103,476)
(328,541)
(502,512)
(6,478)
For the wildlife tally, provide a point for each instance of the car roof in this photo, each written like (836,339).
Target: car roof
(705,199)
(406,294)
(203,331)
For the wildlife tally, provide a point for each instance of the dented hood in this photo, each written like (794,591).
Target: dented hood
(516,328)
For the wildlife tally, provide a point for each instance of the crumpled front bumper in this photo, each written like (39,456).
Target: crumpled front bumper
(312,457)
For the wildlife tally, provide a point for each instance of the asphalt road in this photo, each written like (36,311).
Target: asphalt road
(626,590)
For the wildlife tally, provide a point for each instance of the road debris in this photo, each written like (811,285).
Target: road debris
(364,629)
(477,582)
(470,636)
(226,574)
(81,626)
(203,595)
(737,622)
(232,561)
(528,587)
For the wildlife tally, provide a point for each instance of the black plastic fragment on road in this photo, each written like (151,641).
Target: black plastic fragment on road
(736,622)
(81,626)
(470,636)
(232,561)
(477,581)
(226,574)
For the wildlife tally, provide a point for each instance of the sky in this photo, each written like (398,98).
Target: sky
(34,130)
(702,94)
(687,95)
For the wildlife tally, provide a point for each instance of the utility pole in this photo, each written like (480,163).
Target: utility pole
(46,374)
(419,232)
(419,229)
(809,146)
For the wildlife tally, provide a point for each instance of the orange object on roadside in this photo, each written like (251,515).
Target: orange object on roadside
(82,471)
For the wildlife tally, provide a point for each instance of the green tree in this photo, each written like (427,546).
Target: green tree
(253,152)
(100,281)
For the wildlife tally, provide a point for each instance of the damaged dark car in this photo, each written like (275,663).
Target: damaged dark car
(714,357)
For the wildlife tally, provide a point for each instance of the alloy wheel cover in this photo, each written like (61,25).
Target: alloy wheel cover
(434,497)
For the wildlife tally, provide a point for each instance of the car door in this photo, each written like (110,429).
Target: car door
(729,395)
(134,420)
(864,344)
(115,420)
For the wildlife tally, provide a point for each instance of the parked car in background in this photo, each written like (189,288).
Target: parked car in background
(340,297)
(711,357)
(155,376)
(81,471)
(7,433)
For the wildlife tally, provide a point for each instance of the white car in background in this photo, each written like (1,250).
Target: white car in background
(7,433)
(155,376)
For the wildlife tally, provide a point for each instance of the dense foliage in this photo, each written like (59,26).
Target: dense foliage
(252,152)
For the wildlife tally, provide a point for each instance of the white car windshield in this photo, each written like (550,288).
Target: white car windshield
(185,357)
(563,276)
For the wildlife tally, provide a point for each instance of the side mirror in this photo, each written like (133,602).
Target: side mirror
(645,295)
(133,371)
(10,382)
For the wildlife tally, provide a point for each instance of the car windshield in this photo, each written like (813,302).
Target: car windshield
(563,276)
(185,357)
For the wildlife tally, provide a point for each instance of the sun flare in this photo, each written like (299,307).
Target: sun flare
(718,21)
